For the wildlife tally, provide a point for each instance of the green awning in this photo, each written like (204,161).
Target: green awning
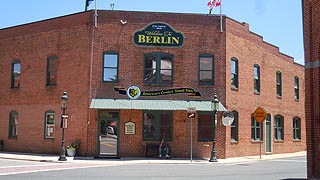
(152,104)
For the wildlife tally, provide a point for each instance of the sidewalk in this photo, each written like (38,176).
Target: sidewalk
(54,158)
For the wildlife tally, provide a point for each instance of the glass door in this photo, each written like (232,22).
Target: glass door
(108,133)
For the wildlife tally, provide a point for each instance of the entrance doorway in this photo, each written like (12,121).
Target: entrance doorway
(268,133)
(108,133)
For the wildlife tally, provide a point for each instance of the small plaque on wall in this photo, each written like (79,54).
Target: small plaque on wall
(130,128)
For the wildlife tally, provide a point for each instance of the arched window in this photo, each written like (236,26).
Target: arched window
(278,127)
(256,130)
(235,127)
(279,83)
(13,124)
(50,117)
(15,74)
(256,78)
(206,69)
(234,73)
(296,88)
(296,128)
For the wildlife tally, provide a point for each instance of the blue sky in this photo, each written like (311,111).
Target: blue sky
(278,21)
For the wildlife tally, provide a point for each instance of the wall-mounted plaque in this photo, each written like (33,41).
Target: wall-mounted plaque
(129,128)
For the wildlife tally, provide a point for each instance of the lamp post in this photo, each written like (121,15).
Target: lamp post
(64,100)
(214,106)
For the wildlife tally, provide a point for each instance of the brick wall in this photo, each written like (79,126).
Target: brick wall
(311,27)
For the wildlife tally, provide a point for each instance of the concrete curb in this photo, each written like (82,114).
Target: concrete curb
(54,159)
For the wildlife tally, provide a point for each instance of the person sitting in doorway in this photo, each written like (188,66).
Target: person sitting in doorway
(164,147)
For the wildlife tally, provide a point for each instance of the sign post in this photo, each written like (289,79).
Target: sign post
(191,113)
(260,115)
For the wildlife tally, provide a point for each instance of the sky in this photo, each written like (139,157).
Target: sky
(279,22)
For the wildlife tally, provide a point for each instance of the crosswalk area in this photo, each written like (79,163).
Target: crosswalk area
(9,170)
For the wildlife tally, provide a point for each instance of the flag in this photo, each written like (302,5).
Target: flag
(216,3)
(87,4)
(213,3)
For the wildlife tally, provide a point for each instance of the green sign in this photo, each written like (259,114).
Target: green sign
(134,92)
(158,34)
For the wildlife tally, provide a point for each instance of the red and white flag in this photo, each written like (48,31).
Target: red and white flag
(213,3)
(216,3)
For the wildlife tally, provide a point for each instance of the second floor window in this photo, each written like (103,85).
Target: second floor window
(158,68)
(206,71)
(256,74)
(279,83)
(15,74)
(52,71)
(110,67)
(296,88)
(234,73)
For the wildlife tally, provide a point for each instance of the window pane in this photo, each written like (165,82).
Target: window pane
(50,118)
(206,63)
(205,133)
(110,60)
(110,75)
(233,67)
(205,76)
(205,120)
(149,126)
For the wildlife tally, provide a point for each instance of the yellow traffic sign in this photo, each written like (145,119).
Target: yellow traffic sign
(259,115)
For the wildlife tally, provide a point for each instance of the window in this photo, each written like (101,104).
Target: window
(206,70)
(279,83)
(256,74)
(278,127)
(157,125)
(256,130)
(49,124)
(110,67)
(158,68)
(51,71)
(15,74)
(13,124)
(205,126)
(235,126)
(296,88)
(234,73)
(296,128)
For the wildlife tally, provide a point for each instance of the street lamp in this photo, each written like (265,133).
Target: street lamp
(64,100)
(214,106)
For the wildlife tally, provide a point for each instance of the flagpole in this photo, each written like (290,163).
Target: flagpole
(221,16)
(95,14)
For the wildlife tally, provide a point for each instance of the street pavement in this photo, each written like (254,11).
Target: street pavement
(129,160)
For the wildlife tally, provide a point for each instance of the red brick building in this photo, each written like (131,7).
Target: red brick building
(311,25)
(165,61)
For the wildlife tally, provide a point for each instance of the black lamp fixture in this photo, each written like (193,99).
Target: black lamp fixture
(64,101)
(214,106)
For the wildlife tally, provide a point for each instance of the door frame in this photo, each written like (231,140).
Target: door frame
(99,133)
(268,134)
